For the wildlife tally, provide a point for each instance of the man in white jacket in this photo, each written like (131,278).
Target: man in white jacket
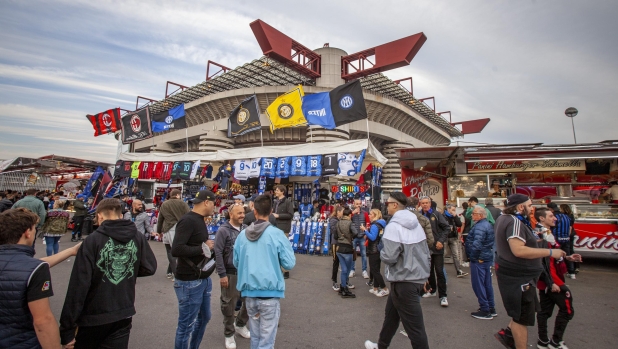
(407,258)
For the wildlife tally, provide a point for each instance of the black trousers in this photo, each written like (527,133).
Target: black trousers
(79,223)
(404,304)
(374,270)
(564,301)
(171,267)
(108,336)
(335,264)
(437,268)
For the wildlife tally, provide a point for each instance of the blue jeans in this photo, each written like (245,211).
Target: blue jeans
(480,276)
(360,242)
(51,243)
(193,311)
(346,262)
(263,321)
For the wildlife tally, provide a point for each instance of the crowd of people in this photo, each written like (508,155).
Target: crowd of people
(252,256)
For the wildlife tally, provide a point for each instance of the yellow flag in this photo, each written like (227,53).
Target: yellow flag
(286,110)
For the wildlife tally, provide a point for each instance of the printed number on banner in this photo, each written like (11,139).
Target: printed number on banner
(242,166)
(298,162)
(187,167)
(268,165)
(314,163)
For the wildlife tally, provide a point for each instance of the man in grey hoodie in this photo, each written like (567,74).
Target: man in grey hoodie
(406,257)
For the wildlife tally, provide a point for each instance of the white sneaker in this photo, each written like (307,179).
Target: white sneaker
(243,331)
(572,276)
(352,274)
(372,290)
(443,302)
(366,275)
(382,293)
(429,294)
(230,343)
(371,345)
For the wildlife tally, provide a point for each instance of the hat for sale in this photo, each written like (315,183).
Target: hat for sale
(240,197)
(202,196)
(516,199)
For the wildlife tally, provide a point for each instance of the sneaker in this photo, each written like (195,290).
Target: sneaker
(465,265)
(554,345)
(372,290)
(541,345)
(243,331)
(577,271)
(351,286)
(382,293)
(505,338)
(371,345)
(73,240)
(429,294)
(482,315)
(443,302)
(369,283)
(493,313)
(336,287)
(170,275)
(352,274)
(461,273)
(230,343)
(366,275)
(572,276)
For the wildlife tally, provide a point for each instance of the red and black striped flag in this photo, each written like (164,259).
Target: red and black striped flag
(105,122)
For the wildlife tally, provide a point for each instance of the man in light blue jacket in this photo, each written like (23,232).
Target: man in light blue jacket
(261,252)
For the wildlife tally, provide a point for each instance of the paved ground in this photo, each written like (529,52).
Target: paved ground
(313,316)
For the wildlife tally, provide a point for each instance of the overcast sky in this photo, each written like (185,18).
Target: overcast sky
(520,63)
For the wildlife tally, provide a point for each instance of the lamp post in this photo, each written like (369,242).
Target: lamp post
(571,113)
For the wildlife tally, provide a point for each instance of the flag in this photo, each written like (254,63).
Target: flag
(136,126)
(316,108)
(173,119)
(347,103)
(105,122)
(286,110)
(244,118)
(92,181)
(106,179)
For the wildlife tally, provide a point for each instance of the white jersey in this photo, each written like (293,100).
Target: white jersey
(254,171)
(241,169)
(347,164)
(194,168)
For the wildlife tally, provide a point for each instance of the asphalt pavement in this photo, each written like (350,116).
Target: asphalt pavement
(314,316)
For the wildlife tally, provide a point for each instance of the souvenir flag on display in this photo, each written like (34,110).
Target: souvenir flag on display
(105,122)
(106,179)
(316,108)
(136,126)
(244,118)
(347,103)
(286,110)
(173,119)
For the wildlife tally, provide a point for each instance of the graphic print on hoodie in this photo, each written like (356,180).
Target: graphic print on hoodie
(117,261)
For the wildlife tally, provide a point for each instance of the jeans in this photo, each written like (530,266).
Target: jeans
(564,301)
(360,242)
(374,271)
(51,243)
(480,276)
(565,245)
(171,267)
(455,246)
(404,305)
(346,262)
(263,321)
(229,297)
(109,336)
(437,267)
(193,311)
(335,264)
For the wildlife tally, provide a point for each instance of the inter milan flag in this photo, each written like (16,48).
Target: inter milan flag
(316,108)
(286,110)
(136,126)
(244,118)
(105,122)
(173,119)
(347,103)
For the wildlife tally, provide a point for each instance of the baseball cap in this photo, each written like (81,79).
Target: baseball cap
(240,197)
(202,196)
(81,196)
(516,199)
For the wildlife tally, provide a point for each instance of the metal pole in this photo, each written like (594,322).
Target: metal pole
(261,137)
(573,125)
(367,128)
(187,138)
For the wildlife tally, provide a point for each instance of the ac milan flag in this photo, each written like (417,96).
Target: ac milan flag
(105,122)
(136,126)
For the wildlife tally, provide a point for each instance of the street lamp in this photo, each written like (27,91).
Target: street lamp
(571,113)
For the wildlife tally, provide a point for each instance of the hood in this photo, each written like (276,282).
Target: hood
(119,229)
(412,231)
(7,202)
(255,230)
(406,219)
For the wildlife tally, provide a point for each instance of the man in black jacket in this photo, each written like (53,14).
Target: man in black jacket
(228,275)
(100,298)
(283,210)
(80,214)
(454,243)
(440,229)
(5,203)
(250,216)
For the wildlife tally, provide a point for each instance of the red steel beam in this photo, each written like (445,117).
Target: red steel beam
(446,112)
(472,126)
(433,99)
(286,50)
(146,99)
(395,54)
(223,69)
(180,87)
(398,82)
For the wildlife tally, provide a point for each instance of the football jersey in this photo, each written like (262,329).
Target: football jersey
(314,165)
(347,164)
(135,169)
(157,170)
(299,166)
(118,168)
(254,171)
(268,167)
(330,165)
(184,171)
(305,210)
(166,171)
(125,170)
(145,170)
(359,163)
(283,167)
(194,168)
(261,185)
(241,169)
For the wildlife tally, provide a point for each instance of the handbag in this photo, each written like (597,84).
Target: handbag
(204,268)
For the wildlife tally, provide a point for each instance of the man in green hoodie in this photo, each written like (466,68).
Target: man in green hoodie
(472,202)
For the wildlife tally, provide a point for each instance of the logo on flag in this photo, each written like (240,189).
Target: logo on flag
(107,120)
(244,118)
(169,119)
(173,119)
(346,102)
(285,111)
(136,124)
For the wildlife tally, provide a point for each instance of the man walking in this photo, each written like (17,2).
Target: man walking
(454,243)
(360,217)
(562,234)
(78,218)
(35,205)
(228,276)
(440,229)
(284,212)
(260,252)
(406,257)
(191,246)
(100,300)
(479,248)
(140,218)
(170,213)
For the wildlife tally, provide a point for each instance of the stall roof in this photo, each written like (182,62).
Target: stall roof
(50,165)
(353,146)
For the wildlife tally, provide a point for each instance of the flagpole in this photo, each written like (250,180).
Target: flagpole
(187,138)
(367,128)
(311,133)
(261,137)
